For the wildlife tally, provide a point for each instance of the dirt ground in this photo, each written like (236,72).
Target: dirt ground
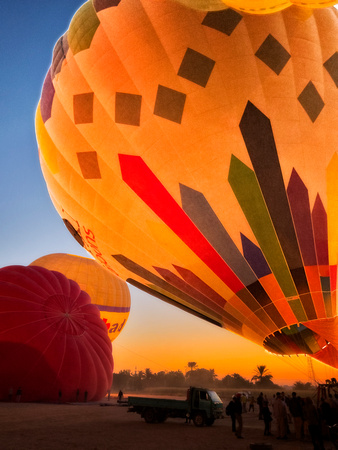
(106,425)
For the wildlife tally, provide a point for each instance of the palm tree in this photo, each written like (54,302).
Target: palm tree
(192,365)
(262,375)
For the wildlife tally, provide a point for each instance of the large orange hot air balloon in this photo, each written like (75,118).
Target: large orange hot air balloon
(193,154)
(106,290)
(53,344)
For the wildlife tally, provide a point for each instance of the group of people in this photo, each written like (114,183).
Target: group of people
(306,418)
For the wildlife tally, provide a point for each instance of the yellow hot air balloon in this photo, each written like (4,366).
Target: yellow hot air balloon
(108,291)
(193,154)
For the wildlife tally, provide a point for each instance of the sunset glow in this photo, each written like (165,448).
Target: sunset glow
(161,337)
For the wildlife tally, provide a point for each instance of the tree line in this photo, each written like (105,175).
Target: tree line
(195,376)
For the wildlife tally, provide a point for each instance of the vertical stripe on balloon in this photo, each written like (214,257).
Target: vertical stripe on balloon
(82,28)
(246,189)
(146,185)
(254,256)
(301,215)
(199,284)
(320,226)
(260,143)
(183,286)
(47,96)
(201,213)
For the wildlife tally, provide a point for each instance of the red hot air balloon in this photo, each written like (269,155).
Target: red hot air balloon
(53,344)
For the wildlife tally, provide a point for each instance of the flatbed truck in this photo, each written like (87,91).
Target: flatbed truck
(202,406)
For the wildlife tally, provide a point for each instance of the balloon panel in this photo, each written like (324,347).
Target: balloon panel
(254,6)
(53,343)
(192,168)
(108,291)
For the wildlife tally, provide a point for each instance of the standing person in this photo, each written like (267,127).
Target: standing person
(285,399)
(18,394)
(230,411)
(260,399)
(243,401)
(238,415)
(267,417)
(280,414)
(311,416)
(273,400)
(120,395)
(296,411)
(252,403)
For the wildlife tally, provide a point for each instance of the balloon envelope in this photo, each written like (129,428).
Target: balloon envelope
(193,154)
(106,290)
(53,344)
(254,6)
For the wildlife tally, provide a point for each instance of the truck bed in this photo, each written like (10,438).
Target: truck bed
(158,403)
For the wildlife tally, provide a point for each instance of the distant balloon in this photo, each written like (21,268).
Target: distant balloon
(53,343)
(106,290)
(194,154)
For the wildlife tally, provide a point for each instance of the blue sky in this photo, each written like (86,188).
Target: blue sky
(31,228)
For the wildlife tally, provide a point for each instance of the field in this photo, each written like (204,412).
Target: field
(105,425)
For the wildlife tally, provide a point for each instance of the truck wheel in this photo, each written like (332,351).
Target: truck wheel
(161,416)
(209,421)
(199,420)
(149,415)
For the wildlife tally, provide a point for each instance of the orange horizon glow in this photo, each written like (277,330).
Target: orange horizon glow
(160,337)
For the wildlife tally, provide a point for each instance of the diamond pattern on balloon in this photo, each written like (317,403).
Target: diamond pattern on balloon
(196,67)
(273,54)
(311,101)
(83,105)
(89,165)
(224,21)
(169,104)
(128,108)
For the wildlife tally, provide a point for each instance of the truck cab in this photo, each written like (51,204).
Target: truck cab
(204,406)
